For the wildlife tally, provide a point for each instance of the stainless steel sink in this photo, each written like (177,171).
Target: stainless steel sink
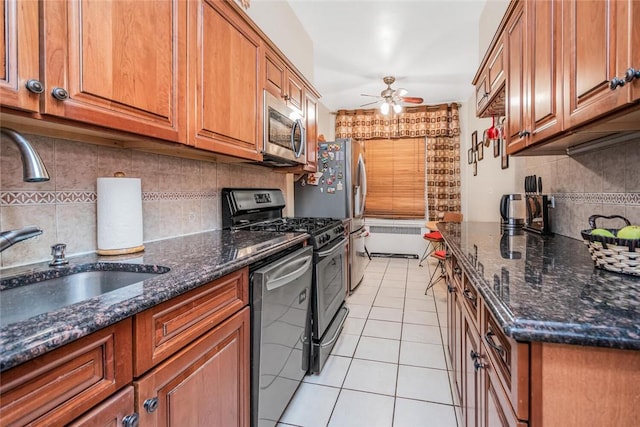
(43,296)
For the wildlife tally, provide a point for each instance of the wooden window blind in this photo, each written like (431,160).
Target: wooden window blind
(395,178)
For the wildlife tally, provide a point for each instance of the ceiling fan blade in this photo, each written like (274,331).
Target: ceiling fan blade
(370,103)
(412,99)
(373,96)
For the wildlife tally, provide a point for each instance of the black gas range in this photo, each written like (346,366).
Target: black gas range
(261,210)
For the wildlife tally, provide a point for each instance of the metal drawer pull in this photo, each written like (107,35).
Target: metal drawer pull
(131,420)
(469,296)
(478,365)
(151,404)
(497,347)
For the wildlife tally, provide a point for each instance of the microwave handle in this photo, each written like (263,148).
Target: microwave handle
(297,150)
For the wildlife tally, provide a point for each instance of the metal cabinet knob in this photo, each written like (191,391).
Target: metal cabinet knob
(474,355)
(131,420)
(524,133)
(616,83)
(150,405)
(477,365)
(631,74)
(34,86)
(60,94)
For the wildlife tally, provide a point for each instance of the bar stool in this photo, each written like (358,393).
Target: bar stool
(440,255)
(434,240)
(436,249)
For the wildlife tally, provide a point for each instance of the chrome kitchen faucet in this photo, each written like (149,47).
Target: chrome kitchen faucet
(33,170)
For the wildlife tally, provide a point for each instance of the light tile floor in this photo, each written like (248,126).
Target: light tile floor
(388,367)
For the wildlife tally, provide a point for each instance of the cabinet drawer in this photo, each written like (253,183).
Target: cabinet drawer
(454,271)
(61,385)
(471,300)
(111,412)
(511,362)
(164,329)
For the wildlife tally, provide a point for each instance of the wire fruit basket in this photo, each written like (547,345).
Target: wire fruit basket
(613,253)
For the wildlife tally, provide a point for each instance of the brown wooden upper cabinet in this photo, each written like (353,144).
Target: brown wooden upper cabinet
(117,64)
(490,84)
(533,89)
(20,56)
(282,82)
(568,64)
(311,116)
(225,96)
(600,45)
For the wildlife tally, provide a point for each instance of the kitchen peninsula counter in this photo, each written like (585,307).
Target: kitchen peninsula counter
(545,288)
(193,260)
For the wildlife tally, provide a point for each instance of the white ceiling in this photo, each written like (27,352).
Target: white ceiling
(430,46)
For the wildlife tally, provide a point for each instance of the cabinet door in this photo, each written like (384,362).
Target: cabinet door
(20,55)
(225,80)
(113,412)
(495,412)
(516,86)
(311,116)
(454,338)
(274,74)
(629,13)
(471,377)
(545,72)
(118,64)
(590,52)
(295,93)
(206,384)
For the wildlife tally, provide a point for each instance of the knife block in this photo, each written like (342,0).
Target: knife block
(537,220)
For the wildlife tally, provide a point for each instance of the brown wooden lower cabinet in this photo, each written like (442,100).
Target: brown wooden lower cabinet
(200,379)
(503,383)
(205,384)
(61,385)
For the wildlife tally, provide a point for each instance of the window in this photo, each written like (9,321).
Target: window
(395,178)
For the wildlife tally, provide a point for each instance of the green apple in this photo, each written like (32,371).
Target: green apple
(629,232)
(602,232)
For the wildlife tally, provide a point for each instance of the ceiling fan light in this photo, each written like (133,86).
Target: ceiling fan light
(384,108)
(397,108)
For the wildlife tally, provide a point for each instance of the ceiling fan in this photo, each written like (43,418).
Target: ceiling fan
(391,98)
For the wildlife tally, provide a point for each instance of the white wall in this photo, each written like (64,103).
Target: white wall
(481,193)
(293,40)
(281,25)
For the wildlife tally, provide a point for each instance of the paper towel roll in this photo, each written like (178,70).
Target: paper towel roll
(119,216)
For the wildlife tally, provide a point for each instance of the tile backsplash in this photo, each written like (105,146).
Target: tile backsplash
(180,196)
(605,182)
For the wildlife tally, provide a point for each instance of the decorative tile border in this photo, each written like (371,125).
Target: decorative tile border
(606,198)
(19,198)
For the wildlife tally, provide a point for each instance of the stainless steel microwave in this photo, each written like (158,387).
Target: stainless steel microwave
(284,133)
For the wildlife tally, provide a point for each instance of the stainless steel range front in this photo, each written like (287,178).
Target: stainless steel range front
(261,210)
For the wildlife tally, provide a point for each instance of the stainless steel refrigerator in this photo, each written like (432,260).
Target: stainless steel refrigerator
(338,190)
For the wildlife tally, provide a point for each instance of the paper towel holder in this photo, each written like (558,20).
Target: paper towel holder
(120,251)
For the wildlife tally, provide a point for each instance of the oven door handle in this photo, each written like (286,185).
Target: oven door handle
(281,280)
(333,250)
(337,332)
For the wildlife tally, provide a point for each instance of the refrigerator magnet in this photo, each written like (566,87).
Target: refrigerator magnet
(331,190)
(339,186)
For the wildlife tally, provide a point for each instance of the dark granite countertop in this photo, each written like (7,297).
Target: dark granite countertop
(194,260)
(547,288)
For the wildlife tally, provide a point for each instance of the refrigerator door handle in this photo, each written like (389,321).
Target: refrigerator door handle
(362,170)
